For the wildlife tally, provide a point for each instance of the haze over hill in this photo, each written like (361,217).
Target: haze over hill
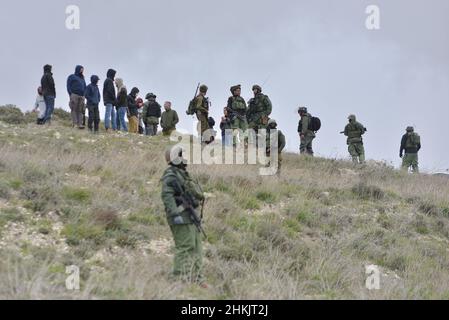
(315,53)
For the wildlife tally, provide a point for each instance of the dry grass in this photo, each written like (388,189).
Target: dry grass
(94,202)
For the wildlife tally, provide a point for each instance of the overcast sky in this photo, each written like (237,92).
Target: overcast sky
(315,53)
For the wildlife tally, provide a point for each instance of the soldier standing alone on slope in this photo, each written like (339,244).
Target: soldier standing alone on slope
(181,197)
(411,144)
(354,131)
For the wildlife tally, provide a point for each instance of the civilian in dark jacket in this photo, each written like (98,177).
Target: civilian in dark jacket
(226,129)
(93,98)
(109,96)
(76,87)
(49,92)
(133,111)
(121,104)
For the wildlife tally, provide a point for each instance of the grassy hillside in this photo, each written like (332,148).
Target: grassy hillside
(71,198)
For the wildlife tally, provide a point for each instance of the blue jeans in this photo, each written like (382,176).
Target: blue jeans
(50,104)
(109,117)
(226,139)
(121,116)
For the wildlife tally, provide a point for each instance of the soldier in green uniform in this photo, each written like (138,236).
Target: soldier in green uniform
(354,131)
(411,144)
(201,105)
(306,135)
(259,110)
(177,186)
(237,111)
(279,145)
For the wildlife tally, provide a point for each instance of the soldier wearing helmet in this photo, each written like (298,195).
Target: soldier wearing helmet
(305,133)
(354,130)
(201,106)
(411,144)
(259,109)
(180,195)
(237,111)
(275,146)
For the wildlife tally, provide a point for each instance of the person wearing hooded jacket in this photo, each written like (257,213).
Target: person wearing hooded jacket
(109,96)
(76,88)
(48,92)
(121,102)
(93,98)
(133,111)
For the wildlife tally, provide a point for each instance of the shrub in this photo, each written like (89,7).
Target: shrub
(61,114)
(4,190)
(108,219)
(266,196)
(75,194)
(428,208)
(11,114)
(366,192)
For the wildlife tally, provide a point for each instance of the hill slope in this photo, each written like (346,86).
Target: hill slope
(71,198)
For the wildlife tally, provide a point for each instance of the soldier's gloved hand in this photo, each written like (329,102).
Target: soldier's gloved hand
(178,220)
(401,155)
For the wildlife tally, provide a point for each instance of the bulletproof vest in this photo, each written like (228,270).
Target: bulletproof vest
(355,130)
(257,103)
(238,105)
(413,140)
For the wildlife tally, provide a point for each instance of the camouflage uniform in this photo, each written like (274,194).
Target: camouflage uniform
(411,144)
(280,145)
(259,110)
(307,136)
(354,131)
(237,110)
(188,260)
(201,104)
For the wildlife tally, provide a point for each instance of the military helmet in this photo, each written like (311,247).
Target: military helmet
(410,129)
(174,155)
(203,88)
(233,88)
(302,110)
(150,95)
(272,122)
(352,117)
(257,87)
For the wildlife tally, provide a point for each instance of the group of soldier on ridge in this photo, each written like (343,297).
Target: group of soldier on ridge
(182,196)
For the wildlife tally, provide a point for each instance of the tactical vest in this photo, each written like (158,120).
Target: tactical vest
(238,105)
(204,105)
(413,141)
(355,132)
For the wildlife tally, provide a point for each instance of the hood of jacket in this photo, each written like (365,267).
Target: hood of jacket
(94,79)
(47,68)
(119,83)
(78,71)
(134,92)
(111,74)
